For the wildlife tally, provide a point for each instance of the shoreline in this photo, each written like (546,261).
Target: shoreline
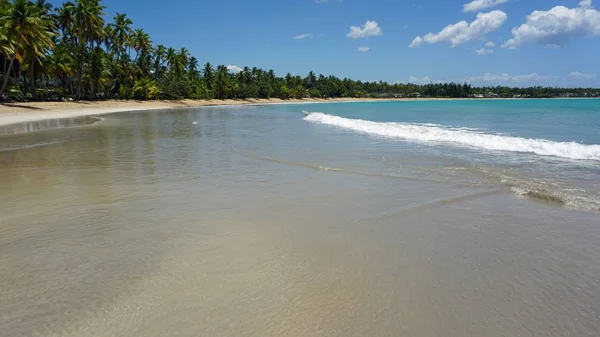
(19,113)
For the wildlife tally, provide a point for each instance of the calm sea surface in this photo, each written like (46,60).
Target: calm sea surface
(440,218)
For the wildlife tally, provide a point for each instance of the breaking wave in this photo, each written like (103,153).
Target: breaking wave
(472,138)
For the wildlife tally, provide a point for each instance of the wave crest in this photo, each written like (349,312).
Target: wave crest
(461,137)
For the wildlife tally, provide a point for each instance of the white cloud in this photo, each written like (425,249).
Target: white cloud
(504,77)
(477,5)
(463,32)
(419,80)
(581,76)
(363,49)
(370,28)
(418,41)
(490,44)
(556,26)
(234,69)
(484,51)
(303,36)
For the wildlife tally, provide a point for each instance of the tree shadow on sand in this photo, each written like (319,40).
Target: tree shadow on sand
(12,105)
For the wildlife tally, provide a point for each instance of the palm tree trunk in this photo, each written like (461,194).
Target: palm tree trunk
(4,68)
(63,83)
(33,79)
(12,62)
(18,77)
(79,64)
(92,83)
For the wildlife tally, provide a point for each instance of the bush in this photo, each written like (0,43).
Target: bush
(145,89)
(13,93)
(125,92)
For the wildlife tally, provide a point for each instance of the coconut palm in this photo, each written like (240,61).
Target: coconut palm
(159,57)
(6,45)
(89,32)
(60,65)
(98,70)
(64,17)
(192,68)
(28,29)
(142,44)
(222,86)
(182,60)
(44,7)
(36,51)
(208,73)
(171,57)
(120,33)
(193,64)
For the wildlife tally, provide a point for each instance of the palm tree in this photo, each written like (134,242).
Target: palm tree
(270,79)
(65,16)
(159,57)
(89,27)
(44,7)
(60,64)
(35,55)
(171,57)
(142,44)
(136,37)
(193,64)
(310,80)
(182,60)
(120,33)
(222,87)
(27,28)
(194,74)
(98,69)
(208,73)
(6,44)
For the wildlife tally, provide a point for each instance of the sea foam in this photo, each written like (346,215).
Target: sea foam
(471,138)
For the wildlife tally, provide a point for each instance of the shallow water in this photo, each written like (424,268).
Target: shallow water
(47,124)
(257,222)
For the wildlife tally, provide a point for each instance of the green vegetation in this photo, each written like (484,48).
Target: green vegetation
(51,53)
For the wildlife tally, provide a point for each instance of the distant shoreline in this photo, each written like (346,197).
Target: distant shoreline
(17,113)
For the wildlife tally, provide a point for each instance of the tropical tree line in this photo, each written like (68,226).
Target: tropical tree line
(71,52)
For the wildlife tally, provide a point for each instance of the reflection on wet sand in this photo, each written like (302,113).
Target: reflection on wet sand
(49,124)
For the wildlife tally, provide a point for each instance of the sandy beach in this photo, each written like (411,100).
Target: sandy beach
(14,113)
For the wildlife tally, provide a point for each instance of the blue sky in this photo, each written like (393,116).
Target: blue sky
(555,46)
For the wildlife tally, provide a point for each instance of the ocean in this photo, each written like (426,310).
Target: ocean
(413,218)
(540,148)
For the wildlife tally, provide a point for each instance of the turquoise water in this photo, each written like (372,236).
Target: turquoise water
(545,120)
(559,120)
(428,218)
(542,143)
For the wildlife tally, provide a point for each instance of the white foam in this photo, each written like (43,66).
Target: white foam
(461,137)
